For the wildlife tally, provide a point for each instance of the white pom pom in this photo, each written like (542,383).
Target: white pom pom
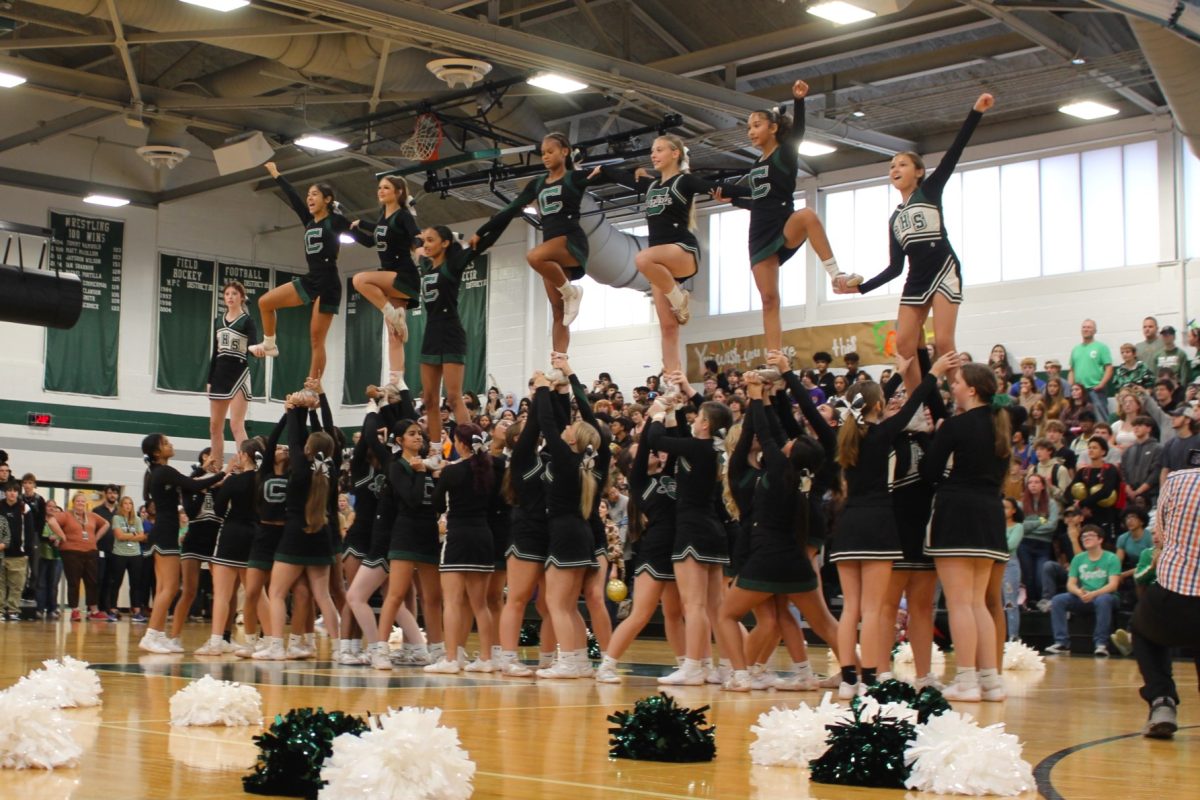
(212,702)
(953,755)
(792,737)
(33,736)
(396,637)
(904,655)
(61,684)
(1020,656)
(405,754)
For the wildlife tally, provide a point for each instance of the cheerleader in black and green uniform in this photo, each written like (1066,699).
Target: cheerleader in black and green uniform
(563,254)
(321,216)
(234,333)
(444,349)
(777,230)
(395,286)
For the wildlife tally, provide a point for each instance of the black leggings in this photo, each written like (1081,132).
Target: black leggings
(81,565)
(118,566)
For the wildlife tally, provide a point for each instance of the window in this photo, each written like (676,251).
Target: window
(856,222)
(731,285)
(609,307)
(1191,203)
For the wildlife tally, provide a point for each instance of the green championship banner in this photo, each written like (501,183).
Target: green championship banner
(257,281)
(473,311)
(875,343)
(185,322)
(290,367)
(363,348)
(83,360)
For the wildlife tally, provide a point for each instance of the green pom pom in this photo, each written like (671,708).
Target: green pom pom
(892,691)
(593,645)
(929,703)
(531,634)
(865,753)
(659,730)
(293,750)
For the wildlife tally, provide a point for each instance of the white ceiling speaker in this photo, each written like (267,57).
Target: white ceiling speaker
(163,155)
(459,73)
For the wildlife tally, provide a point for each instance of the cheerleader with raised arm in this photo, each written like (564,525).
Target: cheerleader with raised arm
(271,483)
(464,488)
(967,537)
(674,252)
(234,333)
(867,542)
(918,233)
(323,222)
(562,256)
(396,285)
(777,230)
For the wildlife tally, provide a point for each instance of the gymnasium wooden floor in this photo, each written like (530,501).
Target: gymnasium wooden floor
(1079,722)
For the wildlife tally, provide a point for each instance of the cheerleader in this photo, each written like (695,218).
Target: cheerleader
(234,503)
(570,501)
(271,483)
(674,253)
(917,231)
(305,549)
(777,231)
(967,538)
(444,349)
(413,549)
(321,216)
(162,486)
(395,286)
(234,333)
(563,254)
(700,548)
(199,543)
(867,542)
(367,571)
(524,488)
(652,493)
(464,487)
(500,523)
(776,562)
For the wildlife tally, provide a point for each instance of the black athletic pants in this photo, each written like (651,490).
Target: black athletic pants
(1162,620)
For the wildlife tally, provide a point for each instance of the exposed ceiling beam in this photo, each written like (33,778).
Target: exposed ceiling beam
(602,36)
(122,47)
(72,187)
(662,33)
(68,123)
(155,37)
(401,18)
(337,163)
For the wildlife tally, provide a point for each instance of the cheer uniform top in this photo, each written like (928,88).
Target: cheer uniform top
(368,486)
(600,464)
(968,515)
(228,370)
(571,543)
(394,238)
(828,475)
(270,499)
(321,247)
(415,526)
(655,496)
(200,541)
(558,205)
(235,503)
(499,513)
(445,339)
(165,486)
(668,206)
(777,562)
(918,231)
(468,544)
(299,545)
(699,533)
(527,466)
(772,189)
(867,528)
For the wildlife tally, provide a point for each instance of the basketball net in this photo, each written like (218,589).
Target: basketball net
(426,136)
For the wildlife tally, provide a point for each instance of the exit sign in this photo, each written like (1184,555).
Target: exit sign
(81,474)
(39,419)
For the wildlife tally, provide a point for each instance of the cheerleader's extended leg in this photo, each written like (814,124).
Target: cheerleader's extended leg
(945,322)
(664,266)
(804,225)
(318,329)
(910,335)
(594,583)
(379,289)
(550,260)
(217,410)
(673,619)
(284,296)
(668,328)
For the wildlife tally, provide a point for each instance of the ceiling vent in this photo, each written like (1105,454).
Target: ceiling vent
(459,73)
(163,155)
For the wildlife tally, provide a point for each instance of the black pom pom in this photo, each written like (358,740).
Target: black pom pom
(865,753)
(593,645)
(929,703)
(659,730)
(531,634)
(293,750)
(892,691)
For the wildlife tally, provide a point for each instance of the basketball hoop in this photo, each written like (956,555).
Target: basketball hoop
(426,136)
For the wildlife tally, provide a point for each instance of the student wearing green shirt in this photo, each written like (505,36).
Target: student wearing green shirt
(1092,366)
(1092,581)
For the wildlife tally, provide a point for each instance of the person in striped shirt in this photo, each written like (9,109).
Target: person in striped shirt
(1168,615)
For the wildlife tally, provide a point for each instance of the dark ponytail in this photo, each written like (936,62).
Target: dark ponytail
(806,459)
(983,381)
(561,138)
(471,436)
(777,117)
(151,444)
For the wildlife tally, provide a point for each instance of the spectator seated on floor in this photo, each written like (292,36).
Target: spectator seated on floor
(1092,581)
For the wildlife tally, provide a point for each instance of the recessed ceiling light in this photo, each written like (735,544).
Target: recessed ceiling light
(8,80)
(219,5)
(1088,109)
(106,200)
(1079,61)
(859,114)
(553,82)
(839,12)
(811,148)
(323,143)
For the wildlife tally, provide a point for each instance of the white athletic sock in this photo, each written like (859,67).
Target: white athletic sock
(831,267)
(508,655)
(497,651)
(966,676)
(565,289)
(437,650)
(310,640)
(802,668)
(398,379)
(725,662)
(675,296)
(546,659)
(268,341)
(608,661)
(581,656)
